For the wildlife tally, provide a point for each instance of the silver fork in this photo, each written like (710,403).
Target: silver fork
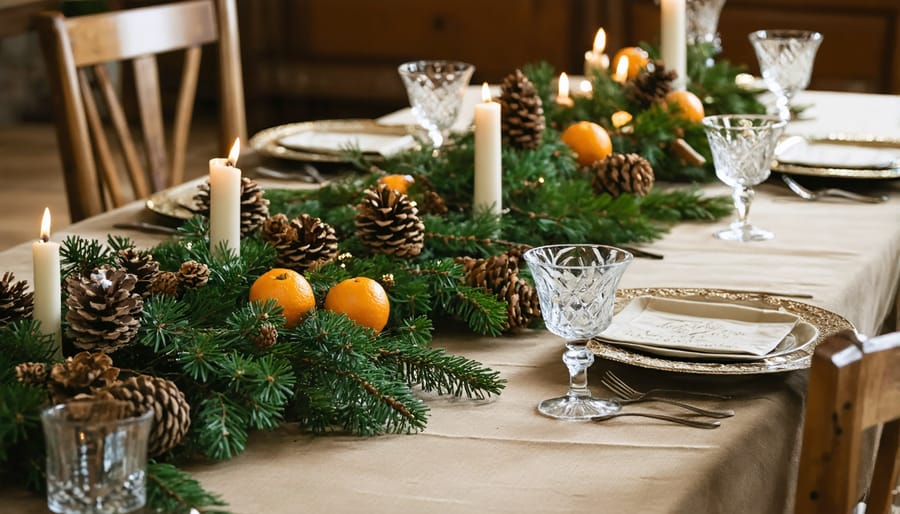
(674,419)
(659,391)
(808,194)
(630,395)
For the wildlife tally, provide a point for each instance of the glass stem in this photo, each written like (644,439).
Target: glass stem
(578,359)
(783,105)
(742,196)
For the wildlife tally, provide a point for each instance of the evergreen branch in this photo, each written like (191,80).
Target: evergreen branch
(483,312)
(685,204)
(173,491)
(81,255)
(222,426)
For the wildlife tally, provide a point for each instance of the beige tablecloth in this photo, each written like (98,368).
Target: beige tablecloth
(502,456)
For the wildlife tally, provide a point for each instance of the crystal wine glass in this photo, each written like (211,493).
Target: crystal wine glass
(576,286)
(742,147)
(436,90)
(703,21)
(786,62)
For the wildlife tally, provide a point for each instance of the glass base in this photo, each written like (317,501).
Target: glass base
(744,233)
(577,407)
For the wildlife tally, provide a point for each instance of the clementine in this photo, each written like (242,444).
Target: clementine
(587,139)
(689,105)
(397,182)
(362,299)
(638,58)
(289,290)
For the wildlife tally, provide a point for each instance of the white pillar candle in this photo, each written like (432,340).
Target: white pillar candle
(488,163)
(595,61)
(47,284)
(225,202)
(673,45)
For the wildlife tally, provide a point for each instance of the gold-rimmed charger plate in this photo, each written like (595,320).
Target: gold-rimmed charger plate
(266,142)
(888,172)
(175,203)
(824,320)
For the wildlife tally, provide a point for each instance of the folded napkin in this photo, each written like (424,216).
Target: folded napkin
(697,326)
(324,141)
(800,151)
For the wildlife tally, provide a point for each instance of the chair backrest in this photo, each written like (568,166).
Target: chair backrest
(853,386)
(88,106)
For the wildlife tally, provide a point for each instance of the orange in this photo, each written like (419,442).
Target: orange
(589,140)
(689,106)
(638,58)
(362,299)
(289,289)
(397,182)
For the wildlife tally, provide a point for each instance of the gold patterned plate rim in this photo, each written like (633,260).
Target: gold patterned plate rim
(174,203)
(265,142)
(837,172)
(824,320)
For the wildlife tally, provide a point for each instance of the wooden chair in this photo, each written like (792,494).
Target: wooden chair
(76,51)
(853,386)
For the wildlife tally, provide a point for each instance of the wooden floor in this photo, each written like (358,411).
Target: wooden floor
(31,178)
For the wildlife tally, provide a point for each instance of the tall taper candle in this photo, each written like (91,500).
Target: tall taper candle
(488,179)
(47,284)
(225,201)
(673,40)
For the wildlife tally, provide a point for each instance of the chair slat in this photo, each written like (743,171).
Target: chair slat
(136,171)
(233,114)
(183,112)
(107,164)
(146,78)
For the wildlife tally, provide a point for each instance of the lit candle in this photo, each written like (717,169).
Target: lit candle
(562,96)
(47,284)
(621,73)
(488,167)
(595,61)
(225,201)
(673,45)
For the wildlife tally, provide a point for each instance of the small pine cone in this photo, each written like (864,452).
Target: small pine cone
(142,265)
(301,243)
(254,207)
(81,374)
(193,275)
(523,304)
(266,337)
(34,373)
(434,204)
(651,85)
(522,112)
(387,222)
(499,275)
(622,173)
(104,312)
(15,301)
(171,412)
(166,283)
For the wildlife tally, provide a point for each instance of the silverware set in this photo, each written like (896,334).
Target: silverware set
(814,195)
(626,395)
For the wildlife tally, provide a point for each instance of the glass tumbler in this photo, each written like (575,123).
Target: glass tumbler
(95,466)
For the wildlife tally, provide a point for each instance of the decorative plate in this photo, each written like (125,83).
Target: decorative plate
(825,321)
(266,142)
(175,203)
(889,171)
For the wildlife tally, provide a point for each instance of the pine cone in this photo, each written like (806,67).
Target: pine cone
(387,222)
(104,312)
(651,85)
(622,173)
(434,204)
(266,337)
(254,207)
(193,275)
(166,283)
(522,112)
(171,412)
(142,265)
(301,243)
(97,407)
(34,373)
(15,301)
(499,275)
(81,374)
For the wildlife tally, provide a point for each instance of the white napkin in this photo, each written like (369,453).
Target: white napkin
(700,326)
(798,150)
(323,141)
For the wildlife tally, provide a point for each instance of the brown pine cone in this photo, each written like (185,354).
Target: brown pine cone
(81,374)
(171,412)
(15,301)
(266,337)
(166,283)
(96,407)
(387,222)
(499,275)
(433,203)
(142,265)
(254,207)
(622,173)
(301,243)
(34,373)
(193,275)
(522,120)
(651,85)
(104,312)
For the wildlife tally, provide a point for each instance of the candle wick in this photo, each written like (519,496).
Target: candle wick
(229,163)
(45,238)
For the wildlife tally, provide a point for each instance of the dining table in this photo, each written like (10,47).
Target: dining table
(839,258)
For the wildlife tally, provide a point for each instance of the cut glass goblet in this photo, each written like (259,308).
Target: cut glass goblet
(576,286)
(436,90)
(786,62)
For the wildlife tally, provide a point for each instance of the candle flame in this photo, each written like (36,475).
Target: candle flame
(45,225)
(235,152)
(600,41)
(620,118)
(586,87)
(485,93)
(563,85)
(621,69)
